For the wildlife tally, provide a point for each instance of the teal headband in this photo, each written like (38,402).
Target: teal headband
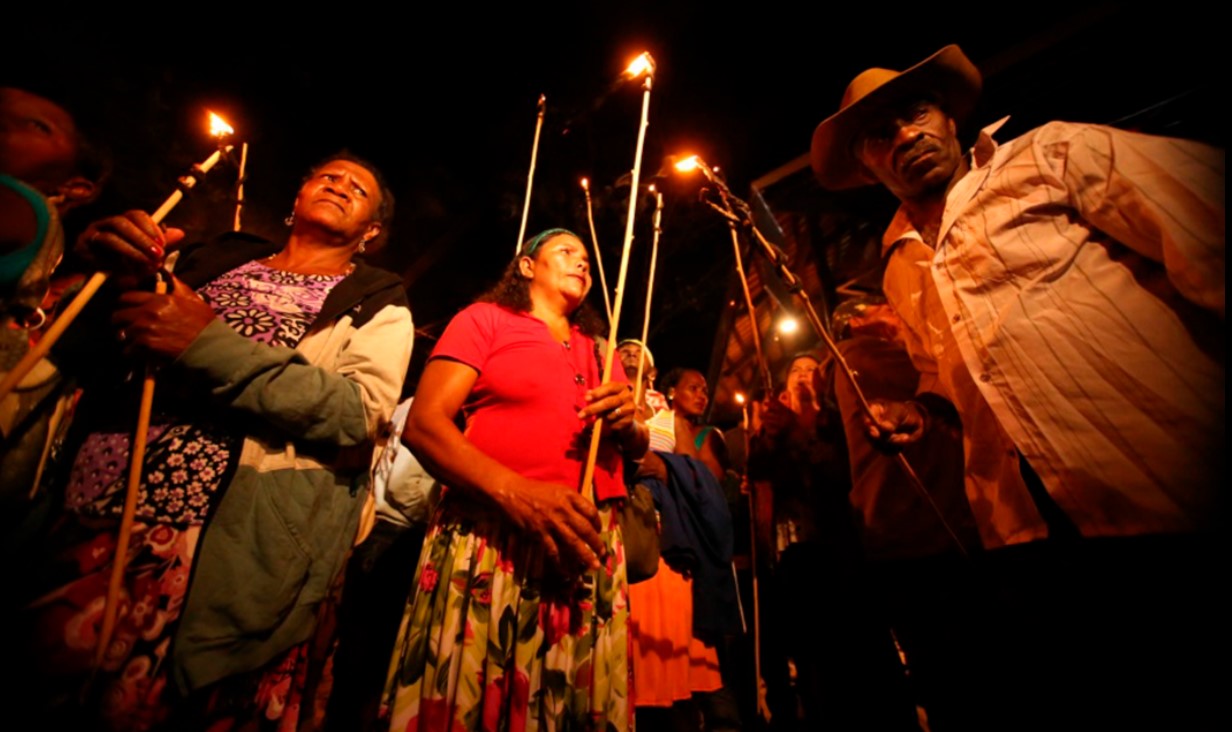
(532,244)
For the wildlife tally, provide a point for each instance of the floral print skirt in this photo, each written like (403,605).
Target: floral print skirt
(129,691)
(487,643)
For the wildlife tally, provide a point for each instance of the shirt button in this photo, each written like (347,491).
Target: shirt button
(579,379)
(956,318)
(985,377)
(937,265)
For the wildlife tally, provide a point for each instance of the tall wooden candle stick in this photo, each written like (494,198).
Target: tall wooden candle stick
(530,176)
(654,255)
(594,240)
(642,65)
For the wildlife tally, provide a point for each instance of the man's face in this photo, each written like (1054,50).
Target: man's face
(630,354)
(911,148)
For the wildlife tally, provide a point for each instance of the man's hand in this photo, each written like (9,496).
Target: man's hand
(894,425)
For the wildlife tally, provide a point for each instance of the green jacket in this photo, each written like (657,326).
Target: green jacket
(281,532)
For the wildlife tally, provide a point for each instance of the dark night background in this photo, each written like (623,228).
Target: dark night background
(443,99)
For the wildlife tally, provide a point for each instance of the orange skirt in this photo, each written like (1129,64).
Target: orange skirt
(669,664)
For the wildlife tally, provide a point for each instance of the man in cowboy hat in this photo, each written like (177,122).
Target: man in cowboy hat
(1064,291)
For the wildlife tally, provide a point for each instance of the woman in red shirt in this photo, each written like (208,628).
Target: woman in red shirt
(521,591)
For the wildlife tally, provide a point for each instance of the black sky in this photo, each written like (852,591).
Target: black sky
(442,98)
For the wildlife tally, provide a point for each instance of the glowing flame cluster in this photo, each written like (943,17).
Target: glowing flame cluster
(689,164)
(219,126)
(643,64)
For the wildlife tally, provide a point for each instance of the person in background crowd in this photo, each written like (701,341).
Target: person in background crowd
(679,617)
(847,672)
(630,352)
(47,168)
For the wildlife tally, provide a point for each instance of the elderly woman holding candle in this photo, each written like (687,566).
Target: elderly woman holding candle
(279,365)
(520,608)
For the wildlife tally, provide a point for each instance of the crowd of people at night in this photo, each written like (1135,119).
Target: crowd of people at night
(988,501)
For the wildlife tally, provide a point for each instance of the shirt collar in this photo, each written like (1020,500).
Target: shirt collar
(901,228)
(984,147)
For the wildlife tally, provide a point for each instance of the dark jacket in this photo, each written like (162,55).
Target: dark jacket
(696,539)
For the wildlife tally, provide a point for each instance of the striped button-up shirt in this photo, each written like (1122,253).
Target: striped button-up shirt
(1073,311)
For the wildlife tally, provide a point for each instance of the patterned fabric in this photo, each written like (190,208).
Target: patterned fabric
(268,305)
(487,644)
(655,400)
(662,428)
(184,464)
(66,621)
(184,468)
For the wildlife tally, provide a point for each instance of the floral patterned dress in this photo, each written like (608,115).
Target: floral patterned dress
(185,465)
(489,643)
(489,640)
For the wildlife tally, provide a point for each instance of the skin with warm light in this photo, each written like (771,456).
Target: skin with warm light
(38,146)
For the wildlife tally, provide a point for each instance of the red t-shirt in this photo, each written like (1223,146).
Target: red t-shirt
(522,410)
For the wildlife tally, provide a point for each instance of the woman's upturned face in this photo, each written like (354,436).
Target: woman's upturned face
(689,395)
(342,197)
(561,265)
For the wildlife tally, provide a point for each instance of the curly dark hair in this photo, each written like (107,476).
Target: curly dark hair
(385,211)
(512,291)
(673,377)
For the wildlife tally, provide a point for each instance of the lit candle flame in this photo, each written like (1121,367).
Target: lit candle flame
(643,64)
(740,397)
(788,325)
(586,184)
(652,188)
(219,126)
(689,164)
